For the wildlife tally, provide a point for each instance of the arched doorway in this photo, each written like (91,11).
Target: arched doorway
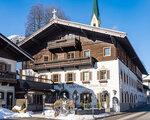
(105,99)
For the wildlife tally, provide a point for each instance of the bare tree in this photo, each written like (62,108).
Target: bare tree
(40,15)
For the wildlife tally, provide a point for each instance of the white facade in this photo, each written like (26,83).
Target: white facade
(6,88)
(146,81)
(114,83)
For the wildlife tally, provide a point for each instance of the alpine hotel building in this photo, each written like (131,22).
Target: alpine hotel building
(94,66)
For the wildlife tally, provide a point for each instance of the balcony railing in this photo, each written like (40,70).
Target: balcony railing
(63,43)
(5,75)
(35,79)
(64,63)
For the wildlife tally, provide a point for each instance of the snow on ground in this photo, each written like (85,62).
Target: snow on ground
(50,114)
(5,114)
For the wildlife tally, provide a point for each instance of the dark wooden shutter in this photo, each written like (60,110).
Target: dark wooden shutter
(81,76)
(66,77)
(59,77)
(98,75)
(74,76)
(52,78)
(108,74)
(90,75)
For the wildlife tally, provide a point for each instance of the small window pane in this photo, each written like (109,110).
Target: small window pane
(45,58)
(87,53)
(70,55)
(86,76)
(107,52)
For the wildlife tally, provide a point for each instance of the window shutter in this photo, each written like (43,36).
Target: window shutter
(8,67)
(108,74)
(66,77)
(90,75)
(59,77)
(52,78)
(81,76)
(98,75)
(74,76)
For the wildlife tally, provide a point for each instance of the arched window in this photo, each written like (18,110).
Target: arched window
(122,97)
(127,97)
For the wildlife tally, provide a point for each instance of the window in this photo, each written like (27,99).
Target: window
(5,67)
(103,75)
(56,78)
(42,78)
(55,56)
(86,76)
(1,95)
(107,51)
(121,75)
(70,77)
(70,55)
(85,97)
(2,66)
(46,58)
(87,53)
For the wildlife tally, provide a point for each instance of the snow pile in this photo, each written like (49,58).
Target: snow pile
(23,115)
(6,114)
(16,38)
(50,114)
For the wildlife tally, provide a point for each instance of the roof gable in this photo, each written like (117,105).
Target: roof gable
(58,25)
(18,53)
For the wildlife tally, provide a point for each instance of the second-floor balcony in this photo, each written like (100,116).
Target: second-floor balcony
(76,62)
(64,44)
(6,76)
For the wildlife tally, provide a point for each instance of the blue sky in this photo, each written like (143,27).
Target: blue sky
(130,16)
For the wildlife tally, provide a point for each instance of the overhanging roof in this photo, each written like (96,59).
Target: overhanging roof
(18,52)
(58,25)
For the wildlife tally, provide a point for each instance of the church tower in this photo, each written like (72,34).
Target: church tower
(95,15)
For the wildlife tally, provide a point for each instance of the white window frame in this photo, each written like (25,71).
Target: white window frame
(86,51)
(86,80)
(104,51)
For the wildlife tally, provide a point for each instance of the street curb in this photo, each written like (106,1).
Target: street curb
(111,115)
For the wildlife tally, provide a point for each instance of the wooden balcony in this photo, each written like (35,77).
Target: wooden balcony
(64,63)
(35,79)
(6,76)
(64,44)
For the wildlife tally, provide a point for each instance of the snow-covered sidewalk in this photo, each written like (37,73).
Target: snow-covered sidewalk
(8,114)
(50,114)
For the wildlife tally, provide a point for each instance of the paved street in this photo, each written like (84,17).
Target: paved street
(138,114)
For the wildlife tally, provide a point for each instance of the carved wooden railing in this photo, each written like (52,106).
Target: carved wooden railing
(73,42)
(63,63)
(36,79)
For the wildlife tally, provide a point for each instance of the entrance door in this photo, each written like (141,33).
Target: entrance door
(85,100)
(9,100)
